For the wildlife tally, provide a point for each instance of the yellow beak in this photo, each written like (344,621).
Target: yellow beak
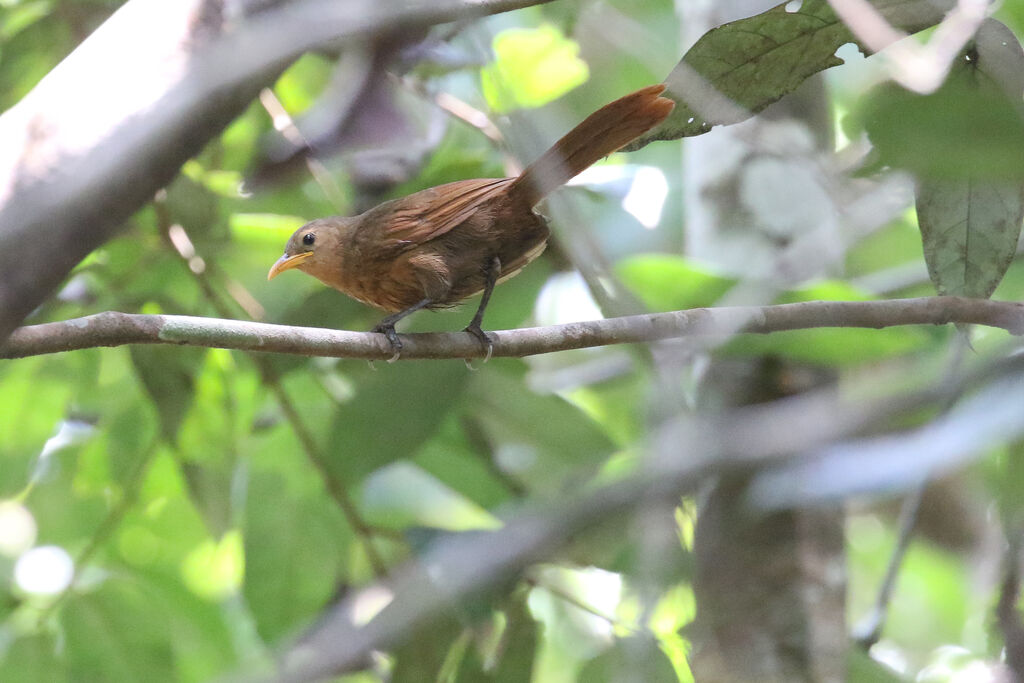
(287,262)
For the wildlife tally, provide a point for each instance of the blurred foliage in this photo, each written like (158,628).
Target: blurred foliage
(531,67)
(206,497)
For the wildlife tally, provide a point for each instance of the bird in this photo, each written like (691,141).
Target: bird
(437,247)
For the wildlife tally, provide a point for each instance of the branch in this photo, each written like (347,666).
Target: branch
(117,329)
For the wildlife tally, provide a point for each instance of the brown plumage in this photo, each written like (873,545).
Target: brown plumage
(438,246)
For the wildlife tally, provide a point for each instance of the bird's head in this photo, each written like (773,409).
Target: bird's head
(313,249)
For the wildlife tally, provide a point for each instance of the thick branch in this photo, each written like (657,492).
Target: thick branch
(117,329)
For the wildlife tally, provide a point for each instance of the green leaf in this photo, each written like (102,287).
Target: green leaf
(954,132)
(110,633)
(299,86)
(208,641)
(970,230)
(167,373)
(402,495)
(670,283)
(458,457)
(971,127)
(970,220)
(97,626)
(222,183)
(755,61)
(532,67)
(430,650)
(32,404)
(861,668)
(213,570)
(16,19)
(124,436)
(31,659)
(293,551)
(164,525)
(518,647)
(634,658)
(541,439)
(395,410)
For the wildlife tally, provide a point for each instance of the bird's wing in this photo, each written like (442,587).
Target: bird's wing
(430,213)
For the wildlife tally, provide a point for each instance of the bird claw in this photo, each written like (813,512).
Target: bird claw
(484,339)
(396,344)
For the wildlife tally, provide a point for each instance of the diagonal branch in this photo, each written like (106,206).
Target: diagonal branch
(465,566)
(117,329)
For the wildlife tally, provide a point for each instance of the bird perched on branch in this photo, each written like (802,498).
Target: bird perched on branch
(436,247)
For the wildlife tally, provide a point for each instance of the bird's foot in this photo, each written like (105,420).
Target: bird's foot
(388,330)
(485,340)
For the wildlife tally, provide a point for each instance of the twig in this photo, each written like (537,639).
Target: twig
(869,629)
(117,329)
(1006,610)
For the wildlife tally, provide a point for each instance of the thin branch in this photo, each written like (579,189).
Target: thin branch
(1007,613)
(117,329)
(868,631)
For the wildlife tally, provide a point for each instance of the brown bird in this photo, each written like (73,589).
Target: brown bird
(434,248)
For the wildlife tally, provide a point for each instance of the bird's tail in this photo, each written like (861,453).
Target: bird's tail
(600,134)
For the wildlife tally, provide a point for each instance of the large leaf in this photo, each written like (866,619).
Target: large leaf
(458,456)
(401,495)
(636,658)
(739,68)
(671,283)
(970,230)
(110,636)
(518,647)
(32,405)
(438,647)
(32,659)
(542,440)
(971,127)
(394,411)
(293,552)
(970,222)
(168,374)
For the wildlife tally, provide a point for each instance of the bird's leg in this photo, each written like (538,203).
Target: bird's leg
(493,273)
(387,326)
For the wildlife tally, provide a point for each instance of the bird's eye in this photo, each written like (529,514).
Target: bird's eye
(308,239)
